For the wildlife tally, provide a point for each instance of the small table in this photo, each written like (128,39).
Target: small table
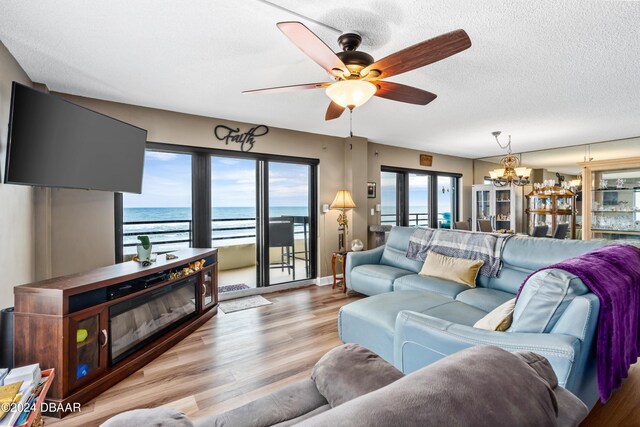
(339,278)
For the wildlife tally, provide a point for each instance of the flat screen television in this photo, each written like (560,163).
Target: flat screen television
(55,143)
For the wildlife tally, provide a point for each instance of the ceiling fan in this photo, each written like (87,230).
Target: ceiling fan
(358,77)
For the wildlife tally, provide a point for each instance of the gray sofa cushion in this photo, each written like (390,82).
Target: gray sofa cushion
(480,386)
(349,371)
(156,417)
(293,401)
(432,284)
(484,299)
(544,299)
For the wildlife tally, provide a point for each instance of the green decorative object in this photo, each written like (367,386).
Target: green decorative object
(144,248)
(144,241)
(81,335)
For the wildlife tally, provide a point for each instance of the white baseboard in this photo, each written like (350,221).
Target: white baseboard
(324,281)
(319,281)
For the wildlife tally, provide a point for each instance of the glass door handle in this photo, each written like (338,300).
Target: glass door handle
(106,337)
(204,289)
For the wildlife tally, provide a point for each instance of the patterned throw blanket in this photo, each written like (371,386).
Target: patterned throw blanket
(460,244)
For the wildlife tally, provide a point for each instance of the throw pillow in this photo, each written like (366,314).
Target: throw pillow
(499,319)
(457,270)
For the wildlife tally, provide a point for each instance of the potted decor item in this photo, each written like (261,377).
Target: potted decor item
(144,248)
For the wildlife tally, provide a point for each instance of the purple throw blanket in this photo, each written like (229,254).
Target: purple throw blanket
(613,274)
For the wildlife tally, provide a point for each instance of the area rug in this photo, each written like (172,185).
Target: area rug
(243,303)
(231,288)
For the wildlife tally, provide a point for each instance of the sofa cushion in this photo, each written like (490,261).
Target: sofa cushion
(376,278)
(339,385)
(435,285)
(544,298)
(457,270)
(531,254)
(395,250)
(479,386)
(484,299)
(457,312)
(158,417)
(371,321)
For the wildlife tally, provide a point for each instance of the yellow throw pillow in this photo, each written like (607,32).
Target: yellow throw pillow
(499,319)
(457,270)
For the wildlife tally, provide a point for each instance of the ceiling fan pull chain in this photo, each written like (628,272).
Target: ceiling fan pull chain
(351,122)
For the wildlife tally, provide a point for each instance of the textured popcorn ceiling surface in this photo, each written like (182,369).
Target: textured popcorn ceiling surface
(552,73)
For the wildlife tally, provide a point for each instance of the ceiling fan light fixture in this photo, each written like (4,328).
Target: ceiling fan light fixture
(351,93)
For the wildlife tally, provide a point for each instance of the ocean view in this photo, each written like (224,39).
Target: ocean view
(231,225)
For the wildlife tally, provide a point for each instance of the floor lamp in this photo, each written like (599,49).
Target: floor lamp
(343,201)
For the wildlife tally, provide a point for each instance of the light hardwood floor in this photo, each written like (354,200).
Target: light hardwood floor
(238,357)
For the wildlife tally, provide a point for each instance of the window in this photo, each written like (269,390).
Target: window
(163,210)
(195,197)
(412,197)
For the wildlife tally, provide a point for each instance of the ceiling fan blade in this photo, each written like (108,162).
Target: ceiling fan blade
(420,54)
(404,93)
(334,111)
(315,48)
(288,88)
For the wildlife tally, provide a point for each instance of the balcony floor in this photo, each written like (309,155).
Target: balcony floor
(247,275)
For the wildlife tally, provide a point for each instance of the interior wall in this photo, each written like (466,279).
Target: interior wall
(17,256)
(379,155)
(83,221)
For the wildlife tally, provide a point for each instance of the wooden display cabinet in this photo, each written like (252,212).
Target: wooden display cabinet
(98,327)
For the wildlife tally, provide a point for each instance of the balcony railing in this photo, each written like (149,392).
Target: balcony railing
(415,219)
(170,235)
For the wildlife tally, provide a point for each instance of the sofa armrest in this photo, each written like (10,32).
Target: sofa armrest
(371,256)
(421,340)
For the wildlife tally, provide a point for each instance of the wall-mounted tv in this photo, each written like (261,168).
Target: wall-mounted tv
(55,143)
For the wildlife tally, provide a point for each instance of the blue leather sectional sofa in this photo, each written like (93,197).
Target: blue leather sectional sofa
(413,321)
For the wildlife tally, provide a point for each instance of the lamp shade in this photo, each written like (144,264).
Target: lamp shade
(343,200)
(351,93)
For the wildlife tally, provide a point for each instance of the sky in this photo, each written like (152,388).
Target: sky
(167,182)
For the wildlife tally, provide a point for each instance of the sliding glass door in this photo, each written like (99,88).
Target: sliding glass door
(233,221)
(163,210)
(258,210)
(418,198)
(289,226)
(446,201)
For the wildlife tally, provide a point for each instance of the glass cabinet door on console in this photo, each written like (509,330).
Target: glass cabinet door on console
(88,346)
(209,287)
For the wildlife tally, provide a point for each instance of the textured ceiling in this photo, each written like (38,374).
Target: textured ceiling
(550,73)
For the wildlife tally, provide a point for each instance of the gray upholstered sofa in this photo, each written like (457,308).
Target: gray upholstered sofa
(413,320)
(351,386)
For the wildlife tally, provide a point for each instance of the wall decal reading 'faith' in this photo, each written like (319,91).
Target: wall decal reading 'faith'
(246,140)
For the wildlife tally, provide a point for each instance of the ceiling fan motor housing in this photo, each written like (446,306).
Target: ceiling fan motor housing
(354,60)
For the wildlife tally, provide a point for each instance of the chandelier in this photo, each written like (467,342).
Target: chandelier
(511,171)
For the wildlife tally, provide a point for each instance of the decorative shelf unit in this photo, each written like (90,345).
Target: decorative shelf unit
(501,205)
(551,206)
(98,327)
(611,197)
